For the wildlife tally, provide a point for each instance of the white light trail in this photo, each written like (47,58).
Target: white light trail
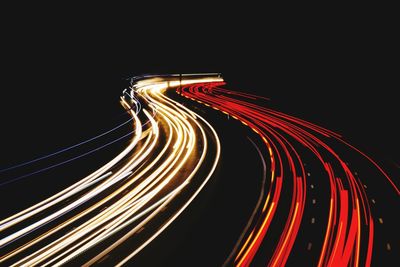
(131,190)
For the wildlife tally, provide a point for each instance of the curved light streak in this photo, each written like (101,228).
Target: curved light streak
(126,193)
(349,215)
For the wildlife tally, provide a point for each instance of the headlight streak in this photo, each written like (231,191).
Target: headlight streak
(217,155)
(66,223)
(349,212)
(142,186)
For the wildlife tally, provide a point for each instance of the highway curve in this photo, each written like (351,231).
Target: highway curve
(210,177)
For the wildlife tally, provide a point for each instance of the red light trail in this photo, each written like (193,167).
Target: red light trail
(172,154)
(349,218)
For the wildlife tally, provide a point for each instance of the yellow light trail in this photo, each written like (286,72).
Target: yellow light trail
(129,191)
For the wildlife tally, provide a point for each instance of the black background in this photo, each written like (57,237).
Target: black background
(60,80)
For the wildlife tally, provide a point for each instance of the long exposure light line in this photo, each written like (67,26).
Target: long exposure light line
(341,243)
(140,192)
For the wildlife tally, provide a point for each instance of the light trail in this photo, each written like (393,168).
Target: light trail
(139,186)
(172,154)
(350,219)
